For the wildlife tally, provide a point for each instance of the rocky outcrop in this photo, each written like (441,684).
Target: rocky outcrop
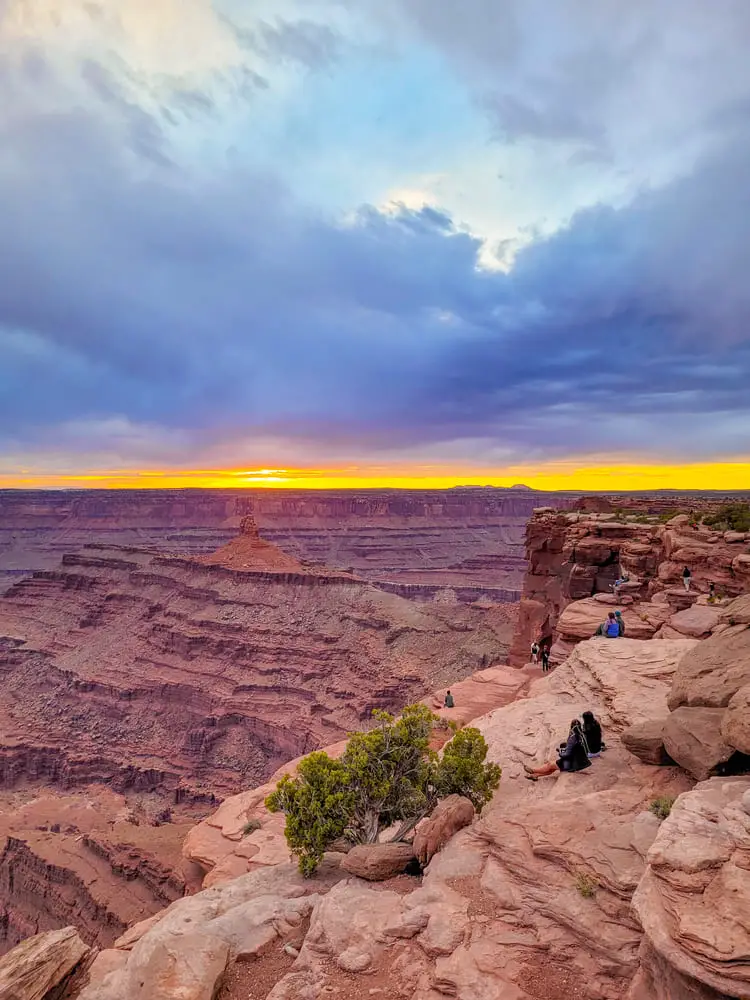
(548,870)
(377,862)
(694,899)
(186,951)
(708,731)
(575,556)
(43,967)
(451,815)
(714,671)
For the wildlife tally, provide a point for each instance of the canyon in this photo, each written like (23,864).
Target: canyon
(147,686)
(418,541)
(628,881)
(152,697)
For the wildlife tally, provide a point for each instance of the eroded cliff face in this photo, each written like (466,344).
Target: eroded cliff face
(416,540)
(131,677)
(577,557)
(91,858)
(197,679)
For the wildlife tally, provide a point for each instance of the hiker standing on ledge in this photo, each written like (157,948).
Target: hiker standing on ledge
(686,575)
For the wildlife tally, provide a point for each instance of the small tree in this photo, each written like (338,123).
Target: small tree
(385,776)
(317,804)
(462,769)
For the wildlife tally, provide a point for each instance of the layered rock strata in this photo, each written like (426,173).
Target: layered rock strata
(158,672)
(575,559)
(418,541)
(175,682)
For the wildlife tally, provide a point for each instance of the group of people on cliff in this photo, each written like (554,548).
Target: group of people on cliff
(584,742)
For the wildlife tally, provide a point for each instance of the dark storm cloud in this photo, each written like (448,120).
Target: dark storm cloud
(211,301)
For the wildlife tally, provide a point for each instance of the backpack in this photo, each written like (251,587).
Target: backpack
(613,629)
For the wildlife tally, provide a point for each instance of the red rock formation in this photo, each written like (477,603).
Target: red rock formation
(88,858)
(573,557)
(420,541)
(183,680)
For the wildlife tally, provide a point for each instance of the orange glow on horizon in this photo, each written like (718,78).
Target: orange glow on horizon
(552,476)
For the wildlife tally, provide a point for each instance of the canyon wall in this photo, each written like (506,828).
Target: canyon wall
(137,689)
(417,540)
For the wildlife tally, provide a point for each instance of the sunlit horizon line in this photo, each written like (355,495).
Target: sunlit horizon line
(560,476)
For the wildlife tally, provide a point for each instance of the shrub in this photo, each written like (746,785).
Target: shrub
(251,826)
(586,885)
(730,517)
(386,776)
(662,806)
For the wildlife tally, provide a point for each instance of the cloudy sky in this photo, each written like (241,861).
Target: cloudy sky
(373,237)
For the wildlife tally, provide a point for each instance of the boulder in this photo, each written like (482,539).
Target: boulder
(694,899)
(735,726)
(696,622)
(737,612)
(187,950)
(41,967)
(378,862)
(692,738)
(580,619)
(450,816)
(679,599)
(734,537)
(741,567)
(713,672)
(645,741)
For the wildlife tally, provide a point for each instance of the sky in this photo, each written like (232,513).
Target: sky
(358,242)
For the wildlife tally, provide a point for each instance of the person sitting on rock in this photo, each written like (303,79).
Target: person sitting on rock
(686,577)
(609,628)
(535,652)
(620,623)
(449,702)
(592,732)
(574,756)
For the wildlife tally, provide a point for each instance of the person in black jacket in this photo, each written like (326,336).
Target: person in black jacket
(592,733)
(574,755)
